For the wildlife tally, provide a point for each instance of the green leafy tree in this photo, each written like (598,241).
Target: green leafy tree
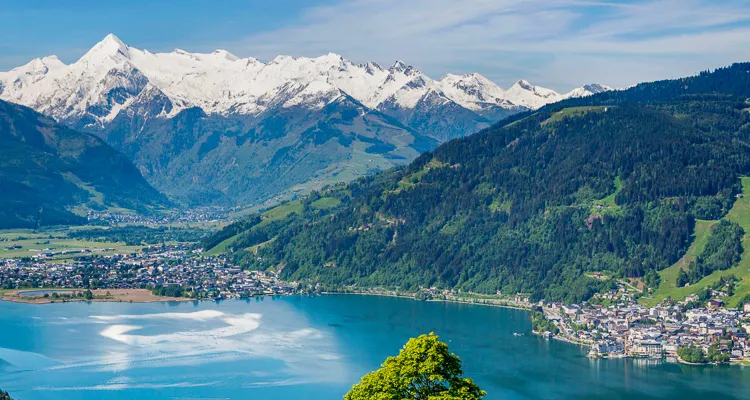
(5,396)
(693,354)
(423,370)
(715,355)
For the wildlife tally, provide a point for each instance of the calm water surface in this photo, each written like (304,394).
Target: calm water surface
(308,348)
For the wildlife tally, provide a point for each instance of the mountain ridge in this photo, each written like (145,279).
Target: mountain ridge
(359,81)
(255,117)
(612,183)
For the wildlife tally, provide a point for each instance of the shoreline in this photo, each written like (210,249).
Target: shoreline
(115,296)
(485,302)
(145,296)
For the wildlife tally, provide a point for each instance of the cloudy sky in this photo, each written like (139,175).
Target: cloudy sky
(555,43)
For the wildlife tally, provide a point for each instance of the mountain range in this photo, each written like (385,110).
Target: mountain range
(51,175)
(558,203)
(219,129)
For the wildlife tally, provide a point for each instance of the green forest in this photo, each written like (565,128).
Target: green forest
(612,182)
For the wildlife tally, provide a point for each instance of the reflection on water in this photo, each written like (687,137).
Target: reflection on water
(308,348)
(97,349)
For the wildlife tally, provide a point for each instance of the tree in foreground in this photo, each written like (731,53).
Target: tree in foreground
(423,370)
(4,396)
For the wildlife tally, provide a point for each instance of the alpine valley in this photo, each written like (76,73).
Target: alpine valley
(215,129)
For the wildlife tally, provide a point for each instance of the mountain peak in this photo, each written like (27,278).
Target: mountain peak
(225,54)
(41,66)
(399,66)
(111,38)
(334,55)
(596,88)
(372,67)
(52,59)
(473,77)
(588,90)
(449,77)
(330,59)
(531,96)
(110,47)
(281,59)
(524,84)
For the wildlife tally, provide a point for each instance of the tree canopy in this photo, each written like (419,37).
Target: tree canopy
(423,370)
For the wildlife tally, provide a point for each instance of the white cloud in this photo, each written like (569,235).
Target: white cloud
(562,43)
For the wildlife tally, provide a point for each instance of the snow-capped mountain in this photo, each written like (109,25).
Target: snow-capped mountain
(588,90)
(112,74)
(219,108)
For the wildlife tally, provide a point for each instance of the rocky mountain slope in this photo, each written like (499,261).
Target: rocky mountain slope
(251,120)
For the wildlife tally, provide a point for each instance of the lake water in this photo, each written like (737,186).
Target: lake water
(308,348)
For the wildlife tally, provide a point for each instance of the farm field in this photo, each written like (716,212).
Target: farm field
(25,243)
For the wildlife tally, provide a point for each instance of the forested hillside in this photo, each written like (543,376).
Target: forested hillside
(613,183)
(48,171)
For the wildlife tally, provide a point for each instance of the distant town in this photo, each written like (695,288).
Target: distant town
(158,268)
(698,329)
(193,215)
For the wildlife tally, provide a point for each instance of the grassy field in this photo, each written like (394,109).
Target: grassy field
(411,180)
(280,212)
(255,248)
(609,201)
(325,203)
(33,244)
(740,213)
(221,247)
(607,205)
(13,234)
(572,112)
(277,213)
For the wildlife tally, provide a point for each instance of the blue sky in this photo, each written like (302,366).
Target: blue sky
(555,43)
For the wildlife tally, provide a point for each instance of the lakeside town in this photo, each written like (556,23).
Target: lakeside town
(697,329)
(174,271)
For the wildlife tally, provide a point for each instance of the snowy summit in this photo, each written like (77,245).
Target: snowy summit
(112,76)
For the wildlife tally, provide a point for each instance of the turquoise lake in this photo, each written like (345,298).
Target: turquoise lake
(308,348)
